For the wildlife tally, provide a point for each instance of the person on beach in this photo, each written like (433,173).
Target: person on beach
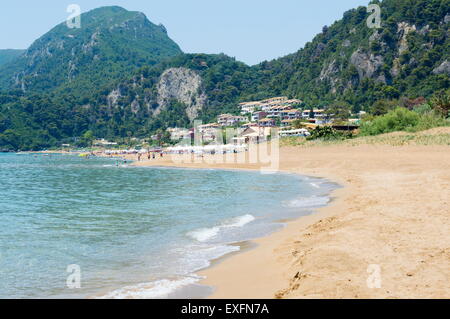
(139,157)
(148,155)
(154,156)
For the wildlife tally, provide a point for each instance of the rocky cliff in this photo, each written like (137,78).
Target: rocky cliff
(183,85)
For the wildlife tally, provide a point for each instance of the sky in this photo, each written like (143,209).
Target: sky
(249,30)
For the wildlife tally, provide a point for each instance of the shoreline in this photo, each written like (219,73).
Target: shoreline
(220,266)
(391,213)
(217,274)
(373,220)
(245,246)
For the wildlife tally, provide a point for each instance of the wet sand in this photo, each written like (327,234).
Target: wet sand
(392,215)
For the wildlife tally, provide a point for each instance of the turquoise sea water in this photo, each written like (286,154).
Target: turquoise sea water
(134,232)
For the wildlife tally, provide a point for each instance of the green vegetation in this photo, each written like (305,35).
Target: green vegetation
(399,119)
(441,103)
(402,119)
(328,68)
(421,118)
(327,133)
(110,46)
(60,88)
(9,55)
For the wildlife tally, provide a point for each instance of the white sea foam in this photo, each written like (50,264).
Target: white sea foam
(195,258)
(152,290)
(240,221)
(307,202)
(205,234)
(199,257)
(314,185)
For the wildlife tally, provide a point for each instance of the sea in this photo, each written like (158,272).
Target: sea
(73,227)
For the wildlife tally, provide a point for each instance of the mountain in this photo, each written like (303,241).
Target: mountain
(347,63)
(120,75)
(408,56)
(9,55)
(111,44)
(182,89)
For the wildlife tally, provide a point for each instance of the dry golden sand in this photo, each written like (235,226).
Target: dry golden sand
(393,211)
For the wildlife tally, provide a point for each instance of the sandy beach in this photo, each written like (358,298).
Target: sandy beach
(392,215)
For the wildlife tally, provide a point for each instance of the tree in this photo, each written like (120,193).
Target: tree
(381,107)
(390,92)
(441,103)
(339,111)
(298,124)
(86,140)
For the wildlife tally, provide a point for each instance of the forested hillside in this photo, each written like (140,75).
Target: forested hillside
(9,55)
(348,63)
(111,44)
(118,85)
(408,56)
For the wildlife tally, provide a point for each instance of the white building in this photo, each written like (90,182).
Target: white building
(298,132)
(316,114)
(178,133)
(267,104)
(249,107)
(231,120)
(258,116)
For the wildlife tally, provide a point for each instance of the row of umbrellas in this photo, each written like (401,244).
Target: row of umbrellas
(207,148)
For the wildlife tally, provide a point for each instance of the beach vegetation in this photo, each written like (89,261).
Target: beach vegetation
(112,90)
(402,119)
(441,103)
(339,111)
(327,133)
(299,124)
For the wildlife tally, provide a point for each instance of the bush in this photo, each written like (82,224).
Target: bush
(402,119)
(429,120)
(423,109)
(327,133)
(441,103)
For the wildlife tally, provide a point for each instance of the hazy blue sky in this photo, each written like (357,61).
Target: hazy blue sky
(250,30)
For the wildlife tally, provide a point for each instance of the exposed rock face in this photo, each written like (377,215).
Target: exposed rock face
(88,47)
(395,71)
(447,18)
(135,106)
(65,56)
(113,98)
(403,30)
(319,49)
(425,30)
(329,72)
(183,85)
(367,65)
(375,36)
(444,68)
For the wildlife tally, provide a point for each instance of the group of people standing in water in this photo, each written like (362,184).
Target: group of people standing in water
(150,155)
